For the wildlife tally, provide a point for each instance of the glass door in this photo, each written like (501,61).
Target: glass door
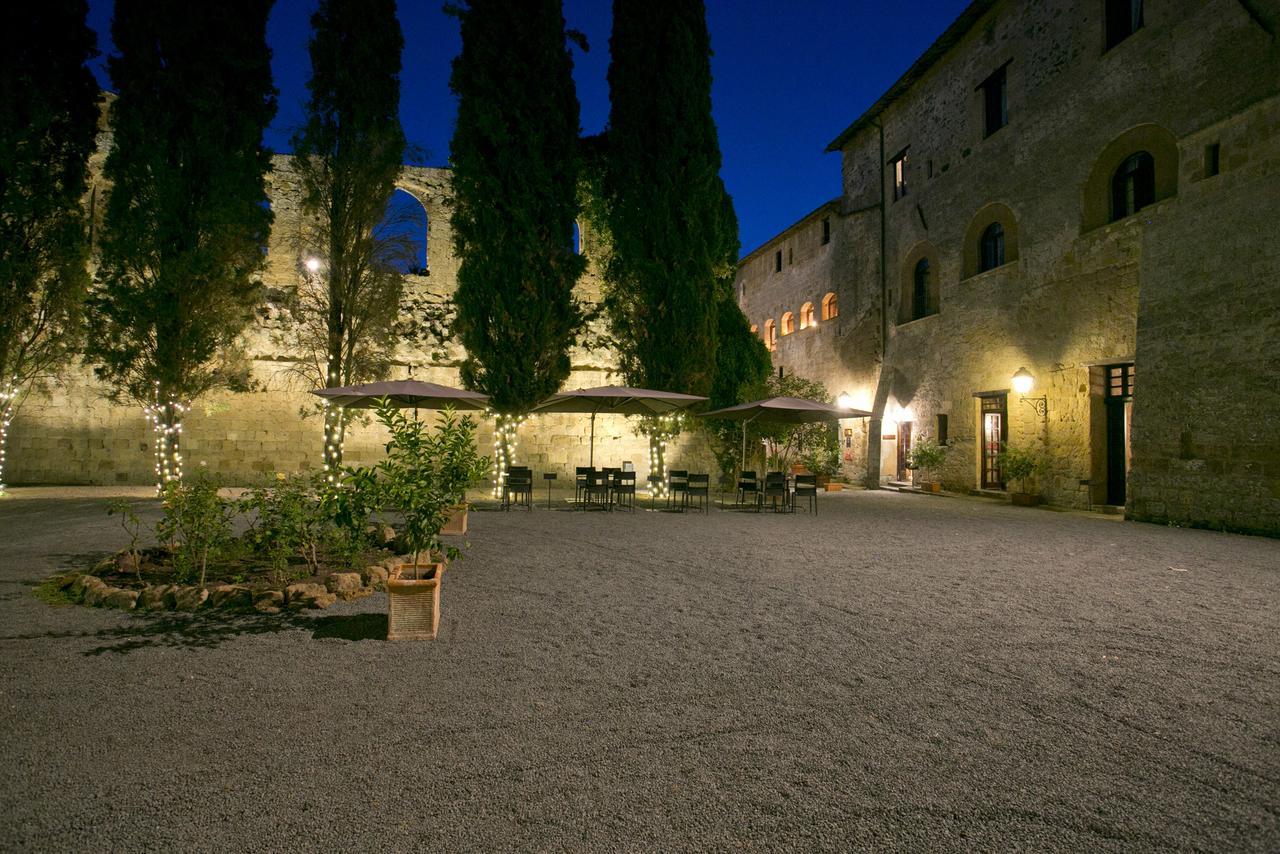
(995,432)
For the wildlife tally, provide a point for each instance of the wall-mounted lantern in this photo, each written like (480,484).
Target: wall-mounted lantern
(1022,383)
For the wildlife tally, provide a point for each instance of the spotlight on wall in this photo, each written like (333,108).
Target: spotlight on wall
(312,264)
(1022,382)
(845,400)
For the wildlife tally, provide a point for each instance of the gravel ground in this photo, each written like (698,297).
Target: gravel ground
(900,672)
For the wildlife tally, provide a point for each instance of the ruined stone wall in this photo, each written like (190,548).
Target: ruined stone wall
(1066,301)
(73,434)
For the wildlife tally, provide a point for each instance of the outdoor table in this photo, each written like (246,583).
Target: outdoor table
(548,477)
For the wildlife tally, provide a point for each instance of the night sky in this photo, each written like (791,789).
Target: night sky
(789,76)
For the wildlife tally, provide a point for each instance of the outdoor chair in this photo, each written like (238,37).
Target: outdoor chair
(518,488)
(677,484)
(597,490)
(775,487)
(698,486)
(624,489)
(610,476)
(806,487)
(748,485)
(580,475)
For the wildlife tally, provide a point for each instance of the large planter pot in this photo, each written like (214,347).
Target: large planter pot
(413,603)
(833,486)
(931,486)
(1024,499)
(457,523)
(824,480)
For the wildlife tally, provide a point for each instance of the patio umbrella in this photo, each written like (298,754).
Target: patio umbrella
(783,410)
(616,400)
(404,394)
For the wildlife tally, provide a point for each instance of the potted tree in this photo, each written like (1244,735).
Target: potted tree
(421,479)
(1020,466)
(925,459)
(461,467)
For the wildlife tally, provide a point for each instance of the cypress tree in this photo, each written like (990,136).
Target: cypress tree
(187,215)
(348,156)
(48,120)
(515,165)
(672,224)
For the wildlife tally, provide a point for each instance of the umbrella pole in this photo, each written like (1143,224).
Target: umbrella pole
(591,458)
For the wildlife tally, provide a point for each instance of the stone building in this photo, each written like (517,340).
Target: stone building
(1084,190)
(73,434)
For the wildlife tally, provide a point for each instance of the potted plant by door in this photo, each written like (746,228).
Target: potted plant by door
(1020,466)
(421,479)
(925,459)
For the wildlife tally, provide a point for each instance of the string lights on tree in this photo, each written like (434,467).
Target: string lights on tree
(8,402)
(505,439)
(661,429)
(165,417)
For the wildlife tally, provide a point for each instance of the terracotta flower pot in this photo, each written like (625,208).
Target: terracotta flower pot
(457,523)
(931,486)
(833,486)
(1024,499)
(413,603)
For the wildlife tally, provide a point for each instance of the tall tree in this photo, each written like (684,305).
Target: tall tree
(515,174)
(48,119)
(348,156)
(187,216)
(673,229)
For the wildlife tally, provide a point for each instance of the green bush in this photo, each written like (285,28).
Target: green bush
(289,519)
(196,524)
(1020,465)
(927,456)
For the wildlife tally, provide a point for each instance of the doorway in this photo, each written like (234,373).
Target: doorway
(995,433)
(904,449)
(1119,401)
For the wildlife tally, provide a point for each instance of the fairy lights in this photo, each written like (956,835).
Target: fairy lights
(505,441)
(335,431)
(8,400)
(661,428)
(165,418)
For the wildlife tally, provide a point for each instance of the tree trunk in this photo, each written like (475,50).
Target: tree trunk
(504,448)
(335,429)
(166,424)
(7,400)
(658,463)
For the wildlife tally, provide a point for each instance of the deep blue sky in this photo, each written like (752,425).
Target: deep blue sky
(789,76)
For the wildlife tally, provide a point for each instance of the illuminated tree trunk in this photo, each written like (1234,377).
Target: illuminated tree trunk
(166,424)
(658,465)
(335,431)
(504,448)
(8,399)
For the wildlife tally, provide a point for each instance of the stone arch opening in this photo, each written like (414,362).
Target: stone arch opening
(806,316)
(830,306)
(403,233)
(788,323)
(920,291)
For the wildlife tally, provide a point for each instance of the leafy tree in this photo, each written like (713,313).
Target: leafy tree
(48,119)
(516,165)
(742,369)
(187,215)
(348,156)
(672,225)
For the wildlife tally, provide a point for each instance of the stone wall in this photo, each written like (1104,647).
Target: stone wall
(1066,302)
(74,435)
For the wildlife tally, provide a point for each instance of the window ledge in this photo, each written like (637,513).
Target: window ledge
(903,323)
(988,273)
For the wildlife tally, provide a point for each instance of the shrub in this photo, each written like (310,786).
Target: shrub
(927,456)
(196,524)
(289,520)
(1020,465)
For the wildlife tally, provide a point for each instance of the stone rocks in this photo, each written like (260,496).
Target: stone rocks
(388,535)
(302,595)
(376,576)
(345,585)
(189,598)
(83,583)
(231,596)
(95,593)
(268,601)
(118,597)
(156,597)
(128,561)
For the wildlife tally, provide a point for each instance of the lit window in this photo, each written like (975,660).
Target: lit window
(1124,18)
(1133,186)
(992,254)
(898,166)
(754,329)
(770,334)
(830,308)
(806,316)
(788,323)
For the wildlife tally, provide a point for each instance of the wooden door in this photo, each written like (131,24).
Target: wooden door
(995,433)
(1119,418)
(904,449)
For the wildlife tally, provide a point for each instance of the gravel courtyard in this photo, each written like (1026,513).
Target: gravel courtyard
(900,672)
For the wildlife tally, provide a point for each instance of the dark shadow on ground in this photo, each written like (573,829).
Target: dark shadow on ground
(206,630)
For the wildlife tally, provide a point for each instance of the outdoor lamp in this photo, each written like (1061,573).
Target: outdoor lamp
(845,400)
(1022,383)
(313,264)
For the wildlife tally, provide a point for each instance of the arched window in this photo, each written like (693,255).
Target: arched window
(788,323)
(806,316)
(920,291)
(991,253)
(770,334)
(830,308)
(1133,186)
